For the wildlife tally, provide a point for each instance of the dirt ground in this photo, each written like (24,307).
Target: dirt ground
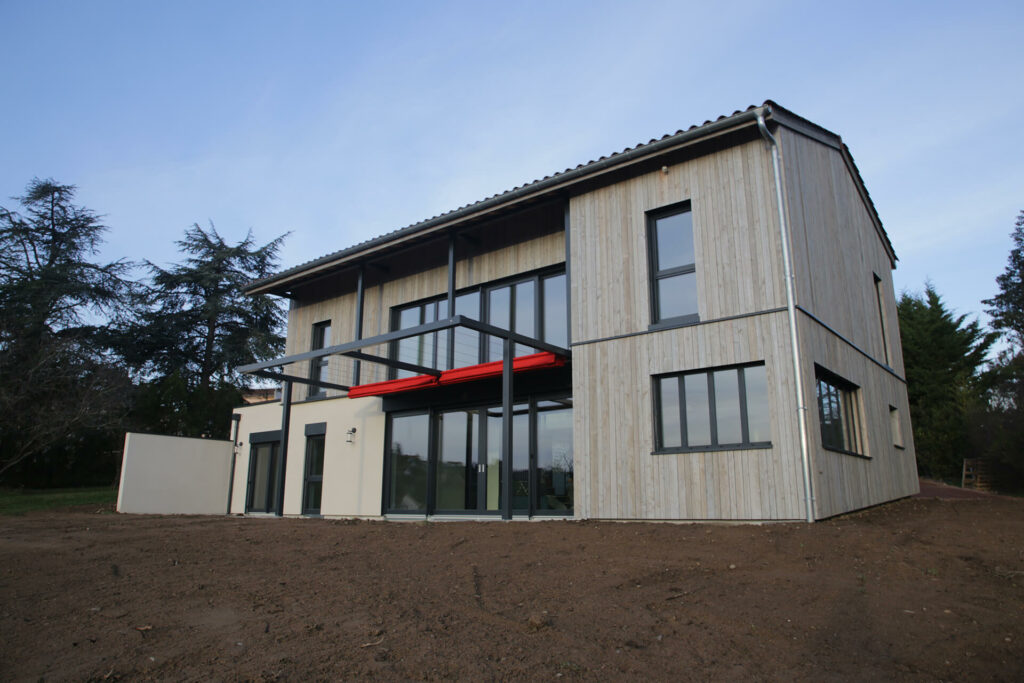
(922,589)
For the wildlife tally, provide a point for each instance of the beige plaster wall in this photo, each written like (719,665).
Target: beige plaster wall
(353,472)
(174,475)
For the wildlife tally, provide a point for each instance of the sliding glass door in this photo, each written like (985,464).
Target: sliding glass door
(449,461)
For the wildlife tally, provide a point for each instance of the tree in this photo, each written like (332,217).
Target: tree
(198,327)
(1000,430)
(1007,307)
(942,354)
(55,378)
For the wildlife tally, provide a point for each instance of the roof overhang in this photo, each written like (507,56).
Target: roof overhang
(566,183)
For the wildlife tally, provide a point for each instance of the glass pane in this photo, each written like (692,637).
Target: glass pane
(521,457)
(409,317)
(727,406)
(408,453)
(456,460)
(500,315)
(409,349)
(441,338)
(264,490)
(555,320)
(315,456)
(554,456)
(467,342)
(314,491)
(493,500)
(677,296)
(525,322)
(675,240)
(758,418)
(698,410)
(670,431)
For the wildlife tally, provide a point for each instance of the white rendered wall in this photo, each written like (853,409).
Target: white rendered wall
(174,475)
(353,472)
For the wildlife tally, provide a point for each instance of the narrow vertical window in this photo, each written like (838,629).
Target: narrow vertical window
(672,266)
(313,484)
(318,367)
(881,318)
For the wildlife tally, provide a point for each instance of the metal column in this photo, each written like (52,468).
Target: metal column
(506,428)
(286,418)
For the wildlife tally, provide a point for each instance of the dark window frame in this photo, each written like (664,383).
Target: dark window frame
(432,455)
(881,318)
(317,341)
(655,275)
(317,433)
(538,277)
(846,396)
(745,444)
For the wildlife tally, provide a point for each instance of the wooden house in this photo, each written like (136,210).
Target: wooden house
(702,327)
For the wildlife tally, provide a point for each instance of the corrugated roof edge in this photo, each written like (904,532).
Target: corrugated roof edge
(594,165)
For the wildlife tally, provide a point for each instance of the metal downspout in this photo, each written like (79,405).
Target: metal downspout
(801,406)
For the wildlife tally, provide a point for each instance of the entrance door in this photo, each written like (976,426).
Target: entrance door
(262,493)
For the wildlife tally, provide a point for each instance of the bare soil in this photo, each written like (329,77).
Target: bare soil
(921,589)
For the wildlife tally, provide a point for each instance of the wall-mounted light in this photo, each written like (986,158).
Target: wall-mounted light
(350,435)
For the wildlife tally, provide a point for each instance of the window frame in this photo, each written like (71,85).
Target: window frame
(318,338)
(850,419)
(539,279)
(655,275)
(745,444)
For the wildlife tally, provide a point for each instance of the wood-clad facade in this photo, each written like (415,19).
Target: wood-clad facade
(718,334)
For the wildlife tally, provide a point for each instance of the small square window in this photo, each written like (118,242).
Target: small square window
(838,413)
(673,284)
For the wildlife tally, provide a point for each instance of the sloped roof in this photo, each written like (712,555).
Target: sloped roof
(770,110)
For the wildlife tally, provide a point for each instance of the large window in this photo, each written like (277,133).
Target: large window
(449,461)
(532,305)
(672,266)
(839,413)
(321,338)
(717,409)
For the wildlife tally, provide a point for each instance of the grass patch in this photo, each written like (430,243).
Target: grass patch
(20,501)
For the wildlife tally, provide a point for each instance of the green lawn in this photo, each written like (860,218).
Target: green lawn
(19,501)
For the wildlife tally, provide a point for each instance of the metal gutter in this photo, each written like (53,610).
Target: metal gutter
(801,405)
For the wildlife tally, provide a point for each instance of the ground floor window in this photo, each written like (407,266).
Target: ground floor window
(449,460)
(262,492)
(838,412)
(720,408)
(313,481)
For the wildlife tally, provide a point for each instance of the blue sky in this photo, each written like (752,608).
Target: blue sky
(340,121)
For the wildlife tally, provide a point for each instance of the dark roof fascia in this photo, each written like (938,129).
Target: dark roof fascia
(786,118)
(558,182)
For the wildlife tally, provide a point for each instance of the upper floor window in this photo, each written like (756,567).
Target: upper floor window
(723,408)
(839,413)
(672,265)
(532,305)
(881,317)
(321,338)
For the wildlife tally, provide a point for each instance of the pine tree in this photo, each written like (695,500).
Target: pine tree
(199,327)
(942,354)
(56,381)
